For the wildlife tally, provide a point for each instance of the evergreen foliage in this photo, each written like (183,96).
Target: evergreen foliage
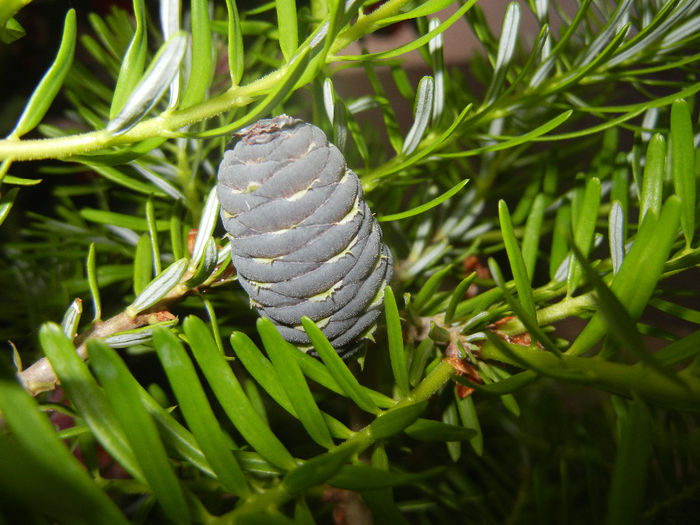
(551,184)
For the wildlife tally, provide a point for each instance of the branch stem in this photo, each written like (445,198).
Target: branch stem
(628,380)
(567,307)
(365,24)
(280,494)
(168,123)
(40,377)
(164,124)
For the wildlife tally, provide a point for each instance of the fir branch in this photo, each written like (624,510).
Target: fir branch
(40,377)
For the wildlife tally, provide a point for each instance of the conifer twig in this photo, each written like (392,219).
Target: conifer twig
(40,376)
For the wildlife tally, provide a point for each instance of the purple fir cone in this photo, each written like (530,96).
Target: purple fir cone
(303,241)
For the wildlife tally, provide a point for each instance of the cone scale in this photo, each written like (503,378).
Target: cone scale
(303,241)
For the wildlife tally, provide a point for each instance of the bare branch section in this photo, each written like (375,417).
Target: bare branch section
(40,376)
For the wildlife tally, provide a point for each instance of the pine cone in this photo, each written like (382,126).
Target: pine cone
(303,240)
